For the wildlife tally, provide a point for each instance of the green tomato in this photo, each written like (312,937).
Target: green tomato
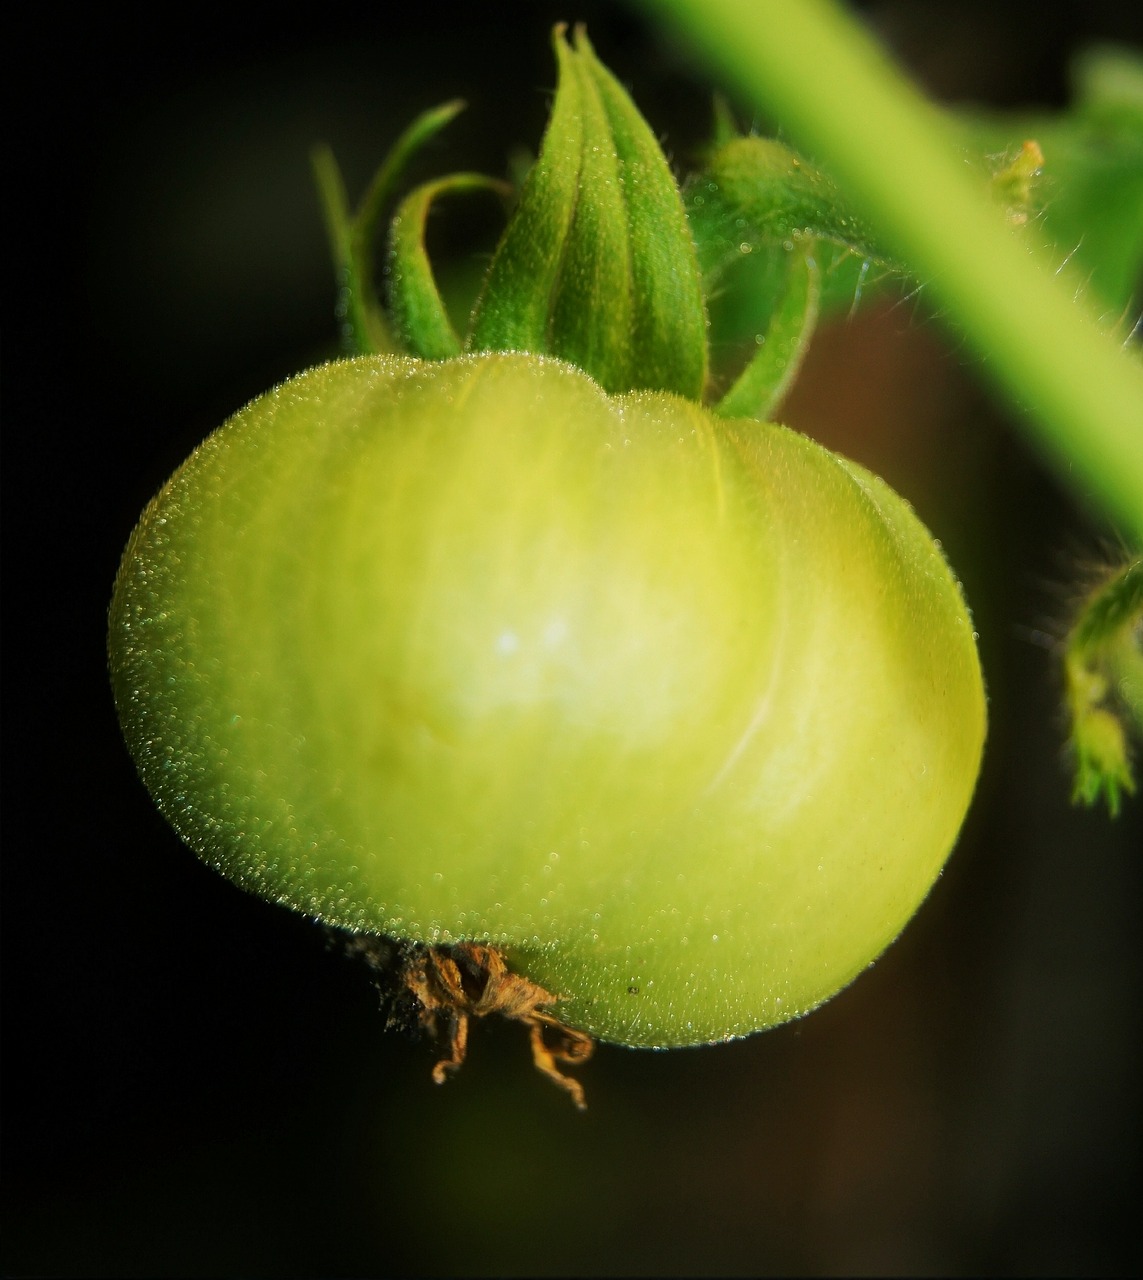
(682,713)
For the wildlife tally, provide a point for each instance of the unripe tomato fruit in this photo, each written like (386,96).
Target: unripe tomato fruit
(683,713)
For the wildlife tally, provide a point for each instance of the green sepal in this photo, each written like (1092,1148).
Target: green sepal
(771,370)
(597,265)
(364,326)
(1103,673)
(416,308)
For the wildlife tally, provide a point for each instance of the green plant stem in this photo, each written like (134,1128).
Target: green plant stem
(812,67)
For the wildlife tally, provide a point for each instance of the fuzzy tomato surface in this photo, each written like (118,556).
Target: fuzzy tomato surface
(683,713)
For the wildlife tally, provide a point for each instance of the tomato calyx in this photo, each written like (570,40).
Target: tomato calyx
(605,261)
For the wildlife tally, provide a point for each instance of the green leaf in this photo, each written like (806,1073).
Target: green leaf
(416,307)
(597,265)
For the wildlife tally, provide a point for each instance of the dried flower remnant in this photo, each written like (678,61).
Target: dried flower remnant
(452,984)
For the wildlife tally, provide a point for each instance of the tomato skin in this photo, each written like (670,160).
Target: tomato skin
(683,713)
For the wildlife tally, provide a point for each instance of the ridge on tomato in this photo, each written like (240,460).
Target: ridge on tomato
(683,713)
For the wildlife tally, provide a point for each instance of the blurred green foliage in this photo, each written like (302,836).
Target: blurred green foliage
(1087,204)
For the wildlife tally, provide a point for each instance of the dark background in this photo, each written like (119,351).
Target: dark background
(193,1082)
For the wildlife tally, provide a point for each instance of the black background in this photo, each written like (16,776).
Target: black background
(193,1082)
